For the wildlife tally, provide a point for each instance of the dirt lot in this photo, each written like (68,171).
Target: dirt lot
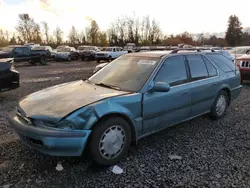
(211,153)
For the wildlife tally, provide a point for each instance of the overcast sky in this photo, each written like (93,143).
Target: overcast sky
(174,16)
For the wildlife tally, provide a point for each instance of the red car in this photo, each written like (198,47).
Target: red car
(243,63)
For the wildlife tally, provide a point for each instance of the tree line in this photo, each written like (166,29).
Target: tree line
(127,29)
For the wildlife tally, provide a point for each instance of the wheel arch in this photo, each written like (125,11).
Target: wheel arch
(227,90)
(122,116)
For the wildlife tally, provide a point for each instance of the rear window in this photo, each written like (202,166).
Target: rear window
(224,63)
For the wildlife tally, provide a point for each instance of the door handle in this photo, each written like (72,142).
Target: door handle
(185,92)
(215,83)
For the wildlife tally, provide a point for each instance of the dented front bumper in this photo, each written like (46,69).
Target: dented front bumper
(51,141)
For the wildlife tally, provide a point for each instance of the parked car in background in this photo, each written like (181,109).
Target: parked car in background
(109,53)
(9,77)
(123,102)
(239,51)
(66,53)
(130,47)
(99,67)
(243,63)
(24,53)
(158,48)
(48,49)
(144,49)
(88,52)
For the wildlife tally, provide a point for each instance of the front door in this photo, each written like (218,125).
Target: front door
(162,109)
(18,54)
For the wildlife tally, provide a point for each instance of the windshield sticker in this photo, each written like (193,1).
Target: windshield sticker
(146,62)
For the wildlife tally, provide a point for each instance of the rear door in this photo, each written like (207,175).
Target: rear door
(203,83)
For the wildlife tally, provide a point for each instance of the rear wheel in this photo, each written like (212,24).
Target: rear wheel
(220,105)
(110,141)
(83,58)
(43,60)
(98,60)
(109,59)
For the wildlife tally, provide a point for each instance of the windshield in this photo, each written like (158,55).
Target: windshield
(59,47)
(86,48)
(63,50)
(128,73)
(107,49)
(39,48)
(7,49)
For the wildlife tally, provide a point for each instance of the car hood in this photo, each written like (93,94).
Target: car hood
(5,54)
(62,53)
(58,101)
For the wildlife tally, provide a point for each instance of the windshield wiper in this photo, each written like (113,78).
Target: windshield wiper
(108,86)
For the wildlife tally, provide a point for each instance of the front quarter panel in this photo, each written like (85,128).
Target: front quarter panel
(126,105)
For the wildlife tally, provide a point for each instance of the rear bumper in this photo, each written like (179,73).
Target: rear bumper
(51,141)
(9,80)
(236,92)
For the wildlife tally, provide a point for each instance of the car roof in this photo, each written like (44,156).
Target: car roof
(160,54)
(150,53)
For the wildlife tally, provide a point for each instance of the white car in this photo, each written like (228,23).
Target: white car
(99,67)
(109,53)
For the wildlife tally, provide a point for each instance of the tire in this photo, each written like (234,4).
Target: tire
(98,60)
(69,58)
(97,142)
(43,60)
(109,59)
(83,58)
(220,105)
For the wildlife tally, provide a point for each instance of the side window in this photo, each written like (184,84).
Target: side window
(222,62)
(173,71)
(210,68)
(197,67)
(18,50)
(26,50)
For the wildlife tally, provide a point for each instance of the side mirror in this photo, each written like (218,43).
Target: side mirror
(161,87)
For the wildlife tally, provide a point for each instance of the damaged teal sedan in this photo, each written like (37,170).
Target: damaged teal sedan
(134,96)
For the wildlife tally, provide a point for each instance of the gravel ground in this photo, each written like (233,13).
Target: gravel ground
(208,153)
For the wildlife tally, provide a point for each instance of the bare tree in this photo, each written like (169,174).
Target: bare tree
(58,35)
(46,31)
(25,27)
(73,36)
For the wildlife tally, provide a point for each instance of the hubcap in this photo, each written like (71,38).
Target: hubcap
(221,105)
(112,142)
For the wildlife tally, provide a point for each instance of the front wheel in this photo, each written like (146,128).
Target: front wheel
(110,141)
(220,105)
(69,58)
(82,58)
